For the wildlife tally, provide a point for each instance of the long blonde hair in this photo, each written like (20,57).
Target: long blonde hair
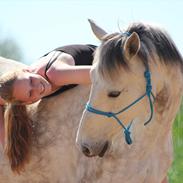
(18,126)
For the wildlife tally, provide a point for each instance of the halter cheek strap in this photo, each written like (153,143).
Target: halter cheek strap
(127,132)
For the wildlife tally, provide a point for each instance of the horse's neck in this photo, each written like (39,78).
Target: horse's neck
(8,64)
(166,106)
(168,96)
(58,117)
(167,100)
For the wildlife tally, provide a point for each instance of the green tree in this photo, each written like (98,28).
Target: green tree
(9,48)
(175,173)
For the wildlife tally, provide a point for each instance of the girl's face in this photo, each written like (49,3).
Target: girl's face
(30,87)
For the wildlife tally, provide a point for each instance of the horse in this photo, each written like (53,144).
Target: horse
(55,157)
(136,91)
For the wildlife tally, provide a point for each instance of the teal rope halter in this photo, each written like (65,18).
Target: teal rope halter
(127,132)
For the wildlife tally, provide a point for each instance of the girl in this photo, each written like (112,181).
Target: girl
(62,66)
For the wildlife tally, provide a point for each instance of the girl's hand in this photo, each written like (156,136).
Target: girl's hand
(38,67)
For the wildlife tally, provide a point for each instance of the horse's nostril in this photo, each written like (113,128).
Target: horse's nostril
(85,150)
(104,149)
(95,149)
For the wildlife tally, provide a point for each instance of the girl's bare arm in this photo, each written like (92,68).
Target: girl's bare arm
(63,71)
(67,74)
(39,66)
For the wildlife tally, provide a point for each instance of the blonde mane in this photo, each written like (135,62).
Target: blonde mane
(112,54)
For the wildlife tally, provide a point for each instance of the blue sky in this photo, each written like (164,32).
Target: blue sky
(41,25)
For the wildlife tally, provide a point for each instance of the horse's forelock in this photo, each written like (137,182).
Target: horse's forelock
(154,41)
(110,55)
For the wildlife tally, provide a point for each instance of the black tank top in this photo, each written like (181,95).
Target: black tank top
(82,54)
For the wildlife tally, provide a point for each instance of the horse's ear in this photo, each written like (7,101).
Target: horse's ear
(132,45)
(98,31)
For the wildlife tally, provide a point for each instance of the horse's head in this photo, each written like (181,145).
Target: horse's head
(131,71)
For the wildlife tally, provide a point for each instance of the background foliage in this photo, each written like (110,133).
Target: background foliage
(176,171)
(9,48)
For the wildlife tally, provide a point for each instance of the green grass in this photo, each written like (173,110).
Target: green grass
(176,171)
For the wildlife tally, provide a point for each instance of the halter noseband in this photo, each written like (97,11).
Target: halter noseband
(127,132)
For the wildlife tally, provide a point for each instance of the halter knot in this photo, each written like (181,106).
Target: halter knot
(127,133)
(128,138)
(147,76)
(148,89)
(109,114)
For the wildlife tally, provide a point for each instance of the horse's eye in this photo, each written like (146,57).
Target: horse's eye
(114,94)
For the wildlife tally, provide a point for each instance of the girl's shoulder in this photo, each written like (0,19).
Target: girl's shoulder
(76,48)
(82,54)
